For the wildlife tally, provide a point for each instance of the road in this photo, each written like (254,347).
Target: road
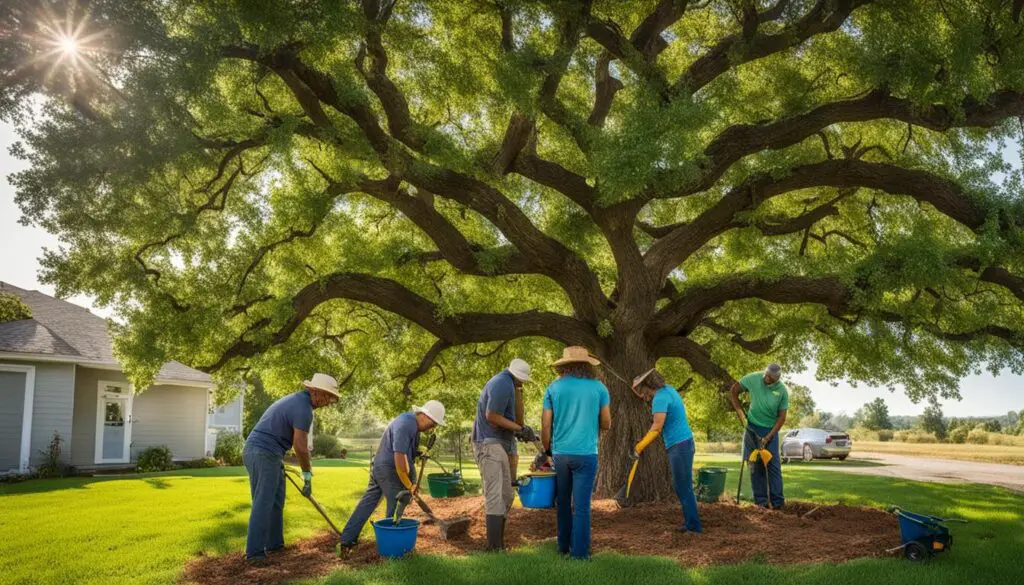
(940,470)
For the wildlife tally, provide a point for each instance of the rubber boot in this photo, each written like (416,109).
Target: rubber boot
(495,533)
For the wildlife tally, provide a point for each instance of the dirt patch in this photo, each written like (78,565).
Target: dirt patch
(731,534)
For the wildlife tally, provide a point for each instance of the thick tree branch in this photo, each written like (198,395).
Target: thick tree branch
(687,311)
(737,49)
(424,366)
(389,295)
(697,356)
(759,346)
(946,196)
(741,140)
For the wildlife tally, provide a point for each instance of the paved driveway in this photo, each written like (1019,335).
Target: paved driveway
(940,470)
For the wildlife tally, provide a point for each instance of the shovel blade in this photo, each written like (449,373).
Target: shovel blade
(454,528)
(621,499)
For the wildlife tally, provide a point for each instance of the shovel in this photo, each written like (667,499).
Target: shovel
(313,501)
(622,498)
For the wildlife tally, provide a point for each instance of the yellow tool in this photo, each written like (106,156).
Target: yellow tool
(632,474)
(764,454)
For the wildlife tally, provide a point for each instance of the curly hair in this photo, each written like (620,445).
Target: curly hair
(577,370)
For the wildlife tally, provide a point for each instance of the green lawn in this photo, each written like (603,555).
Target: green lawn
(131,530)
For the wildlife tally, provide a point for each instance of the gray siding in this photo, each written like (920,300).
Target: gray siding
(12,406)
(83,429)
(170,415)
(52,409)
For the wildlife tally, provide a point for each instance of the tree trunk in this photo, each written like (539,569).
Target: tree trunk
(631,418)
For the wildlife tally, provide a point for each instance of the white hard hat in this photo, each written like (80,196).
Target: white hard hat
(433,409)
(323,382)
(520,370)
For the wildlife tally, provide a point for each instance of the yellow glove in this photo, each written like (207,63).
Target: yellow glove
(646,441)
(403,476)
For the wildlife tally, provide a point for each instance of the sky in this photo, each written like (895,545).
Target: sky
(21,247)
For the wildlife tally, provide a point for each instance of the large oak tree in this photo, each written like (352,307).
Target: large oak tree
(407,193)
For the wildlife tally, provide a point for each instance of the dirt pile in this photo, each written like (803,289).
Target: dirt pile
(802,533)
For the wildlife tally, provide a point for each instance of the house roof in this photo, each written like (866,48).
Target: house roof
(60,329)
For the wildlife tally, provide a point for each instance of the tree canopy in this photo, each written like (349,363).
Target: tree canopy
(408,193)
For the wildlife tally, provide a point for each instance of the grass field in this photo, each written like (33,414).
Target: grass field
(986,453)
(143,530)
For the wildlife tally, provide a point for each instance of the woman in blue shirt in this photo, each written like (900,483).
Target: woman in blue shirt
(670,422)
(575,409)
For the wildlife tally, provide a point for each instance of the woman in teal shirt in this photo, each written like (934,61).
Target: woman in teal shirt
(670,422)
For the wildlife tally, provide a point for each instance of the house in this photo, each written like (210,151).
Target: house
(58,374)
(225,418)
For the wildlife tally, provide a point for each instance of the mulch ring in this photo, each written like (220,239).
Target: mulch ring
(801,533)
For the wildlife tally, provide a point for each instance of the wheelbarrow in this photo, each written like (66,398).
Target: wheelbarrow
(923,537)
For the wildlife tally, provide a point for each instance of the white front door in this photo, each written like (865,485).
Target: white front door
(113,422)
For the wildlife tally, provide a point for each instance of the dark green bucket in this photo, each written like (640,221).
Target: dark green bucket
(444,485)
(711,483)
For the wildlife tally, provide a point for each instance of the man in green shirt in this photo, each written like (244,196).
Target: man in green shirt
(769,401)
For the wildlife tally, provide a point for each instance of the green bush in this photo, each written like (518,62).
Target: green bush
(328,446)
(959,435)
(201,463)
(885,435)
(977,437)
(155,459)
(914,436)
(229,448)
(51,465)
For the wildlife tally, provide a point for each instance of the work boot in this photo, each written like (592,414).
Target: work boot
(495,533)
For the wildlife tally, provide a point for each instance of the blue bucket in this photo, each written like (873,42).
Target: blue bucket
(538,491)
(393,541)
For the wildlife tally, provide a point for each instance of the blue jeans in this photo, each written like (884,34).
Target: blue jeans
(384,483)
(680,459)
(266,486)
(758,482)
(574,485)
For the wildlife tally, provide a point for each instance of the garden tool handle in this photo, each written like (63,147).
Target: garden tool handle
(423,506)
(315,503)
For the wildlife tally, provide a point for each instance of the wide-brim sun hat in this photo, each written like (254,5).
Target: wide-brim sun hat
(433,410)
(576,354)
(323,382)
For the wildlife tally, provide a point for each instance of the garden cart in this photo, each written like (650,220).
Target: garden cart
(922,536)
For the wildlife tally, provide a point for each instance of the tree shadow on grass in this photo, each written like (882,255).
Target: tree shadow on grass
(157,480)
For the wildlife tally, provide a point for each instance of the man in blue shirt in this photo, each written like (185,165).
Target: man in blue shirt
(284,425)
(499,421)
(575,409)
(391,471)
(670,422)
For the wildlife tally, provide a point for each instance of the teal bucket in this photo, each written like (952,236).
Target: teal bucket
(711,483)
(537,491)
(393,541)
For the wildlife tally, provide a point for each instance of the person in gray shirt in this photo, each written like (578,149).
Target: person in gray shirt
(391,472)
(499,421)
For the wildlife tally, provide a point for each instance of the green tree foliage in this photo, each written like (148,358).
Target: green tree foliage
(801,403)
(409,193)
(13,309)
(874,415)
(992,425)
(931,420)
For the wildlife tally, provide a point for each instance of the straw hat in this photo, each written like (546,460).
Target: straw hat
(323,382)
(576,353)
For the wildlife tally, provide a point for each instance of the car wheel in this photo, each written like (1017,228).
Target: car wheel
(808,454)
(784,460)
(842,457)
(915,551)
